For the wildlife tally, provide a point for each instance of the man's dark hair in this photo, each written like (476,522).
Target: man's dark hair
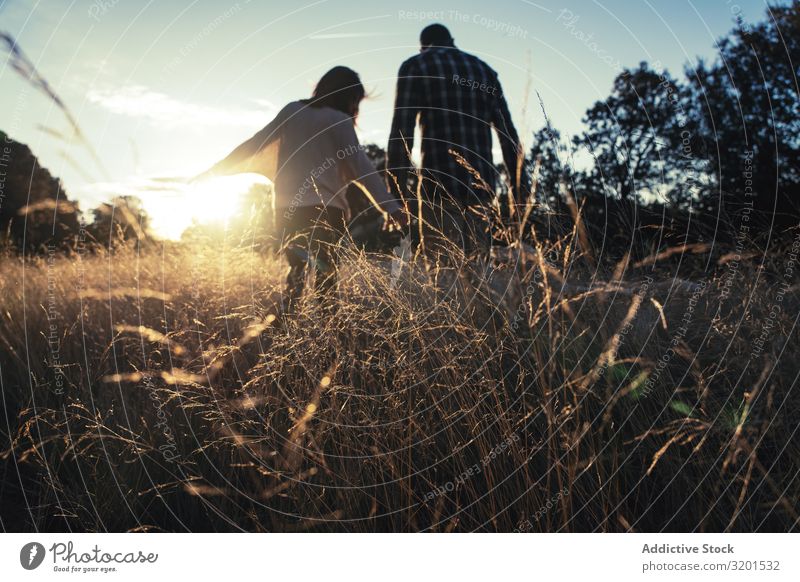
(435,35)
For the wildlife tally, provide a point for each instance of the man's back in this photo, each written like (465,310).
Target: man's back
(458,99)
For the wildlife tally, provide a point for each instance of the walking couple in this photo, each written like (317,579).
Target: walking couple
(311,153)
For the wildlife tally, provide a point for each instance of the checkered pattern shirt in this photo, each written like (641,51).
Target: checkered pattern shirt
(459,100)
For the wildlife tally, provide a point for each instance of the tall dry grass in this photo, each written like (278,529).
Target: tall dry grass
(541,392)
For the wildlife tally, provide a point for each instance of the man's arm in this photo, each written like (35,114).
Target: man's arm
(513,156)
(401,138)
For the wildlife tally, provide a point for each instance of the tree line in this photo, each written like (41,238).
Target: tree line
(690,158)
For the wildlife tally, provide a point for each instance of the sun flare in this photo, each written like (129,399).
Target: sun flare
(208,201)
(216,199)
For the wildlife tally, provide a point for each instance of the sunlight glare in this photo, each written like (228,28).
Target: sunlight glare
(216,200)
(206,202)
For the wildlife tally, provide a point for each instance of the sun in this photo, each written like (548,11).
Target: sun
(216,200)
(179,205)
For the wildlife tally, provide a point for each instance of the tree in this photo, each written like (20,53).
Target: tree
(549,160)
(34,209)
(120,220)
(631,136)
(748,116)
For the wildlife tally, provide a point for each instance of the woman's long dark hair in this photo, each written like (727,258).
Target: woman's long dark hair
(341,89)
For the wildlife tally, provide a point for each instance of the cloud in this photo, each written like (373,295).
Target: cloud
(266,104)
(133,186)
(140,102)
(339,35)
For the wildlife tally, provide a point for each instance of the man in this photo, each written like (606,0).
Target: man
(458,100)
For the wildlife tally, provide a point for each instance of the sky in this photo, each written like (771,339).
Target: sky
(168,88)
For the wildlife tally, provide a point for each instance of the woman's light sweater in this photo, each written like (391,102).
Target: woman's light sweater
(311,154)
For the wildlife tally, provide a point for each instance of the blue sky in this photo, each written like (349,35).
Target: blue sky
(166,88)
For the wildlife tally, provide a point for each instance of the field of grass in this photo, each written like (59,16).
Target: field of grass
(163,390)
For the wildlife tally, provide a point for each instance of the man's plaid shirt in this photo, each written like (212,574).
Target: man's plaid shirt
(458,99)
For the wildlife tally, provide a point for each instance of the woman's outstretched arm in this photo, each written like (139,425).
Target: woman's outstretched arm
(240,159)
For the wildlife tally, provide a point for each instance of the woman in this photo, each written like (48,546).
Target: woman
(311,153)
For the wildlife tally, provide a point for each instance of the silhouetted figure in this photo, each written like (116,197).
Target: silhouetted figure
(311,152)
(458,99)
